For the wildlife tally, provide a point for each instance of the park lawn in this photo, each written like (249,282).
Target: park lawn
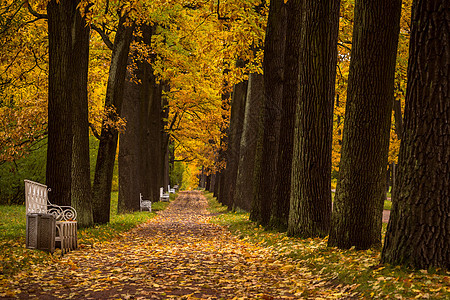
(14,257)
(359,269)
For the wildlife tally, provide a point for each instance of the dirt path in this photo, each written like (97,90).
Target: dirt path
(177,255)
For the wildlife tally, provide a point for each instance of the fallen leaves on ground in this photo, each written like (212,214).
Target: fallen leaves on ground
(178,254)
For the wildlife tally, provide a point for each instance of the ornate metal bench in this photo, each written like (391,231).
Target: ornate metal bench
(36,202)
(145,203)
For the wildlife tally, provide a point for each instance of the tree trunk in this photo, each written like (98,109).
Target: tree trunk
(244,179)
(60,83)
(358,207)
(310,211)
(164,140)
(418,232)
(234,139)
(130,162)
(281,197)
(81,192)
(151,135)
(104,167)
(273,87)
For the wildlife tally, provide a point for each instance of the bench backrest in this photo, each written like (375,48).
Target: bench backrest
(35,197)
(36,201)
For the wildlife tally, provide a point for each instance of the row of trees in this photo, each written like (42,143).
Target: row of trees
(279,156)
(163,85)
(177,70)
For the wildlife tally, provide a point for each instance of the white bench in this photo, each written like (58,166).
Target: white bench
(163,196)
(145,204)
(36,202)
(170,190)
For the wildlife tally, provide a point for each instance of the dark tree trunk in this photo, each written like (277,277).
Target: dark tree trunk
(164,141)
(234,139)
(208,183)
(108,142)
(130,162)
(81,182)
(244,179)
(216,185)
(61,16)
(213,183)
(273,87)
(398,118)
(418,232)
(151,135)
(358,206)
(310,211)
(281,197)
(220,191)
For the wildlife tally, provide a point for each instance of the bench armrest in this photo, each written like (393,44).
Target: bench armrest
(62,213)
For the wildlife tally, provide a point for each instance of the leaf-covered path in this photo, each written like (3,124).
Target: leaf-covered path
(178,254)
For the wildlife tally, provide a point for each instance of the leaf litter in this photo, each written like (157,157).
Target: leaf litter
(177,255)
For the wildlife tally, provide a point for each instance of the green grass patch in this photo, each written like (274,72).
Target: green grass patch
(361,269)
(14,257)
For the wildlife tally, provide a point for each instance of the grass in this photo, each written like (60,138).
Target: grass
(14,257)
(360,269)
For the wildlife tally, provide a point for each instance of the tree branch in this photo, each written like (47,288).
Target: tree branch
(104,37)
(35,13)
(94,131)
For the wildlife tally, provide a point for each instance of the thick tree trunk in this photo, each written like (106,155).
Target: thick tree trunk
(281,197)
(61,16)
(108,142)
(130,162)
(273,87)
(151,136)
(358,206)
(81,192)
(310,213)
(418,232)
(244,179)
(234,139)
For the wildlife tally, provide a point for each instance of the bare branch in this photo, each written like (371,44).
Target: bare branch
(35,13)
(94,131)
(104,37)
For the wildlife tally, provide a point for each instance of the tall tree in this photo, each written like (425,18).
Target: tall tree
(81,175)
(130,161)
(61,24)
(109,135)
(238,100)
(310,210)
(273,88)
(361,188)
(281,197)
(244,178)
(418,232)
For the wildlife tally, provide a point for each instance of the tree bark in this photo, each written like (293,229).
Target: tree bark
(234,139)
(81,192)
(151,134)
(418,232)
(358,206)
(130,161)
(61,16)
(310,210)
(273,86)
(281,197)
(109,136)
(244,178)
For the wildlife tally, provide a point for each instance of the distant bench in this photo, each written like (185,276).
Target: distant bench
(37,204)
